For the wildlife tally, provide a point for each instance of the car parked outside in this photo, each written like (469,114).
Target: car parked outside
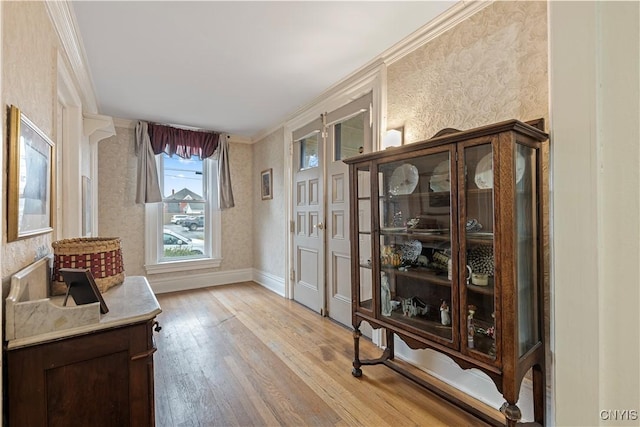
(193,222)
(178,245)
(175,219)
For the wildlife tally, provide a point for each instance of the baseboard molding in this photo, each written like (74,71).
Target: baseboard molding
(471,381)
(161,283)
(273,283)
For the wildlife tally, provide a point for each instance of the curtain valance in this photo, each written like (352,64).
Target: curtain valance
(153,139)
(182,142)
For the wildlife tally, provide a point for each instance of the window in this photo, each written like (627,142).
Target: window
(183,231)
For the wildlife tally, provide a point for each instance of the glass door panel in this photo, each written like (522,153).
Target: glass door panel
(416,279)
(478,261)
(526,219)
(365,289)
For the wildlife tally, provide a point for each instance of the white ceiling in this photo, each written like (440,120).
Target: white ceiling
(240,67)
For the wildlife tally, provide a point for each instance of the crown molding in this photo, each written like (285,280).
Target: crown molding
(444,22)
(451,17)
(124,123)
(64,22)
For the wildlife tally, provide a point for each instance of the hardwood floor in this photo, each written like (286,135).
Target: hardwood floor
(240,355)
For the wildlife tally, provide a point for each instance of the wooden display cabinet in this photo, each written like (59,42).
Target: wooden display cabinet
(446,252)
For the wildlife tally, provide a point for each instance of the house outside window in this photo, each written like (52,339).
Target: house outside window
(183,231)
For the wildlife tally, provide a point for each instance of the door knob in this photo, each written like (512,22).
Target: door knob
(320,226)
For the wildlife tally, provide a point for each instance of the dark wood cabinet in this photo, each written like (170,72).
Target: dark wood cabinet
(447,254)
(103,378)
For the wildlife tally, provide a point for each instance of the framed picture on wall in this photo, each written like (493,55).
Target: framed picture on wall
(29,187)
(266,184)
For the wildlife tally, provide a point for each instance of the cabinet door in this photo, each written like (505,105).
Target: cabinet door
(417,285)
(526,248)
(363,250)
(477,225)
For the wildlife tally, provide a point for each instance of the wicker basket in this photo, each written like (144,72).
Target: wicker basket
(102,255)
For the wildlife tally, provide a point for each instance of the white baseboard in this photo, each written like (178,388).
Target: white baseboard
(273,283)
(161,283)
(473,382)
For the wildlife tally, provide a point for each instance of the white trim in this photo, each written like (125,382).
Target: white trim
(269,281)
(370,80)
(124,123)
(447,20)
(69,150)
(64,22)
(182,265)
(473,382)
(444,22)
(97,127)
(161,284)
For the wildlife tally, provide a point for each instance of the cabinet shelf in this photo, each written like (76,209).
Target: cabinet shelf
(418,322)
(485,290)
(421,273)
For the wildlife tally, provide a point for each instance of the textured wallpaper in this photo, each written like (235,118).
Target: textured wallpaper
(118,213)
(237,223)
(29,82)
(489,68)
(125,219)
(269,216)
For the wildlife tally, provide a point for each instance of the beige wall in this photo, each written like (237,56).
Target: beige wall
(118,213)
(120,216)
(489,68)
(269,216)
(29,81)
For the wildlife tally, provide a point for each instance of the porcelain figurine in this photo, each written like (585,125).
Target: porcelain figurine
(385,295)
(445,317)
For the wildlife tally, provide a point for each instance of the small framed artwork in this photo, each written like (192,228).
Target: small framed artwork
(82,287)
(29,186)
(266,184)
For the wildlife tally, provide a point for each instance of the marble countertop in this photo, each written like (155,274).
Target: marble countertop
(128,303)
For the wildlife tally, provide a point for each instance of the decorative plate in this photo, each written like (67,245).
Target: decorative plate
(411,250)
(484,170)
(440,179)
(403,180)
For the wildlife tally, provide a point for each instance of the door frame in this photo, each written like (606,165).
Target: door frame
(373,80)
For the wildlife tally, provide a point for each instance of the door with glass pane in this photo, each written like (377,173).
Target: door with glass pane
(308,213)
(347,137)
(418,284)
(480,286)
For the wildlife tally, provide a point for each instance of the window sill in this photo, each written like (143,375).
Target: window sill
(182,265)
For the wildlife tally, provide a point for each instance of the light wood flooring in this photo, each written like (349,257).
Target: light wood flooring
(240,355)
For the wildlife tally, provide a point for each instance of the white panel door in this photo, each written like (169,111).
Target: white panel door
(308,231)
(347,137)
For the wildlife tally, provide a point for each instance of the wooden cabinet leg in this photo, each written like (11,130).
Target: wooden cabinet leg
(356,371)
(390,351)
(512,413)
(539,393)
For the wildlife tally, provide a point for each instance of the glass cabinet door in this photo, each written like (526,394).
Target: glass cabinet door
(365,249)
(415,221)
(526,250)
(477,262)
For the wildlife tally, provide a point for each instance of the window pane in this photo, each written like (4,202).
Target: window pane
(183,207)
(349,137)
(309,152)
